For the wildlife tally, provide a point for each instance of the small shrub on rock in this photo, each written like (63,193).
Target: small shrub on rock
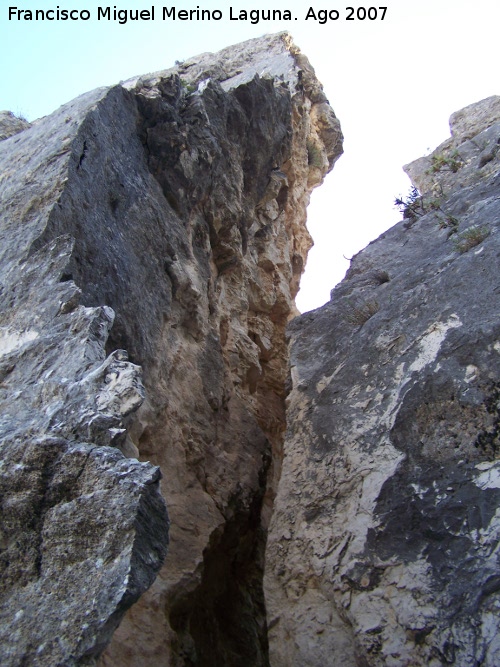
(470,238)
(412,206)
(359,313)
(442,162)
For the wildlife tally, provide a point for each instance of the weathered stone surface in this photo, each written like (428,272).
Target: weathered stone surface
(467,157)
(81,540)
(165,217)
(11,124)
(83,530)
(383,545)
(228,138)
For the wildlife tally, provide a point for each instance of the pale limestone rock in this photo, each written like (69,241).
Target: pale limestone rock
(383,544)
(227,137)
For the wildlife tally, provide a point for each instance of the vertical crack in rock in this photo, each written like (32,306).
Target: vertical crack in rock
(164,217)
(383,545)
(227,141)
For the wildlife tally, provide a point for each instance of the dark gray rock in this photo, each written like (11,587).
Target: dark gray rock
(384,541)
(83,530)
(82,536)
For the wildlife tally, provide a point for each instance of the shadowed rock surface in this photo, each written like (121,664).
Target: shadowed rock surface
(234,142)
(383,546)
(83,530)
(164,217)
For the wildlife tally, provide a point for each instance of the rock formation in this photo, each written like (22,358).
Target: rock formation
(383,545)
(165,217)
(152,242)
(235,143)
(83,530)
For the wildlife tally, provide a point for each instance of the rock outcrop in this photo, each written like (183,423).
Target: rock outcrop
(152,242)
(83,530)
(384,542)
(165,217)
(235,143)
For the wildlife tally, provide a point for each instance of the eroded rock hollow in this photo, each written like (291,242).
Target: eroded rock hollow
(152,239)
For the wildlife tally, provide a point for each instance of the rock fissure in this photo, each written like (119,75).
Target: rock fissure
(332,481)
(191,129)
(164,217)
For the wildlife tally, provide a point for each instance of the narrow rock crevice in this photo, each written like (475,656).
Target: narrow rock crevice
(223,622)
(165,217)
(229,153)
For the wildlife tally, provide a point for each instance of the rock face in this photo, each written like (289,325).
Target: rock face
(165,217)
(383,545)
(83,530)
(234,143)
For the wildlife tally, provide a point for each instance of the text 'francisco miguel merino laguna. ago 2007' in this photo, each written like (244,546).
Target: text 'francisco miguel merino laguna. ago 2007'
(254,16)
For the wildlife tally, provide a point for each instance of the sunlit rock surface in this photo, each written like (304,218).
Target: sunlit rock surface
(383,545)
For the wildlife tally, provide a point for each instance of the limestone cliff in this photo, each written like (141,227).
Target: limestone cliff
(152,241)
(165,217)
(384,542)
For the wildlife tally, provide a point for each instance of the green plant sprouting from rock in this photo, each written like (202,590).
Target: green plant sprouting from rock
(470,238)
(411,206)
(314,157)
(433,204)
(449,222)
(442,162)
(414,206)
(188,87)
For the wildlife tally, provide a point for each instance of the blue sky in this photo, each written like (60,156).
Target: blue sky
(392,83)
